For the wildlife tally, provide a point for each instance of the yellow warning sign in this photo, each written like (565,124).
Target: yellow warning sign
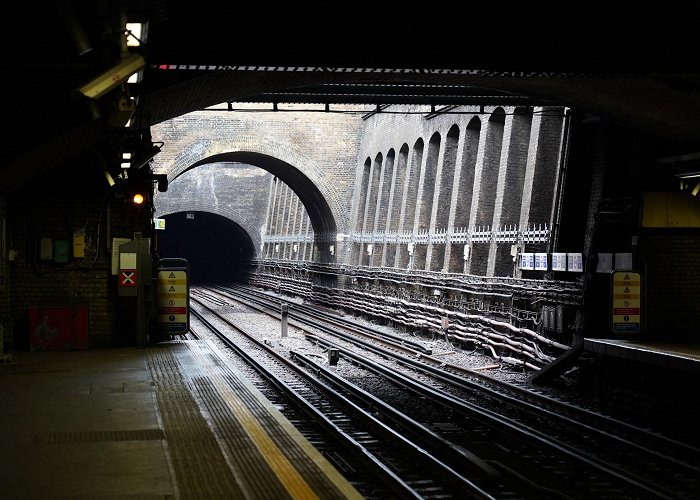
(173,295)
(626,301)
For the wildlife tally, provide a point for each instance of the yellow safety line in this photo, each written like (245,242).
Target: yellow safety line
(295,484)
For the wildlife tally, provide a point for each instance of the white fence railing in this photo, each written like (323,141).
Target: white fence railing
(476,234)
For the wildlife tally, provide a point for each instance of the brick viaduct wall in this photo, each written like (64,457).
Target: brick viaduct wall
(288,231)
(477,177)
(405,191)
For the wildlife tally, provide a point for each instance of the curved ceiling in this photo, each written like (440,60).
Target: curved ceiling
(637,67)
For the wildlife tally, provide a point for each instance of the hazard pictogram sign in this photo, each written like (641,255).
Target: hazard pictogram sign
(173,296)
(626,301)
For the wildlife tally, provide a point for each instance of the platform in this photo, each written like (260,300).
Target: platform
(683,356)
(167,421)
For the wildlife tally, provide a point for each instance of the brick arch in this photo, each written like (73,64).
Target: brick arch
(320,213)
(278,157)
(318,208)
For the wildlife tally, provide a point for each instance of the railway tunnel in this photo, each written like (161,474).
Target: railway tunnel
(642,115)
(470,216)
(235,185)
(218,250)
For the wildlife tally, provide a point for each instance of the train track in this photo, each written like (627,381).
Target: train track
(402,468)
(529,442)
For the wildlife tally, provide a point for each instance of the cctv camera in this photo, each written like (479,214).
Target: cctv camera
(113,77)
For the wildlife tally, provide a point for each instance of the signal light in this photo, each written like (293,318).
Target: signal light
(137,199)
(136,186)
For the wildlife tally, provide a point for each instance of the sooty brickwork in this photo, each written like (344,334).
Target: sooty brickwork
(288,232)
(473,183)
(454,192)
(313,152)
(48,272)
(459,192)
(233,190)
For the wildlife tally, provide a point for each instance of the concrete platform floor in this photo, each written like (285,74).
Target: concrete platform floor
(81,424)
(165,421)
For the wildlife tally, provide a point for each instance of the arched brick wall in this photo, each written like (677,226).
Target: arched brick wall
(238,192)
(314,150)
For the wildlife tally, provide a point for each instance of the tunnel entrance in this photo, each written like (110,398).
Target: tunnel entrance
(218,249)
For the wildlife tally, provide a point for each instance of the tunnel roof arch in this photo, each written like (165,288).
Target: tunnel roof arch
(287,149)
(322,218)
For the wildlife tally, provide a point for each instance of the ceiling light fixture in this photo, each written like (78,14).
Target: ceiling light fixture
(113,77)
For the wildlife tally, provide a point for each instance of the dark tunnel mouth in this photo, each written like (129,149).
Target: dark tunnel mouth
(218,249)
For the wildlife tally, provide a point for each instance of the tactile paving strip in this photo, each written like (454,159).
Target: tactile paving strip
(235,429)
(198,465)
(103,436)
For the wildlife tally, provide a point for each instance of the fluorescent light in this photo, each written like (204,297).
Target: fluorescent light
(133,37)
(696,189)
(688,175)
